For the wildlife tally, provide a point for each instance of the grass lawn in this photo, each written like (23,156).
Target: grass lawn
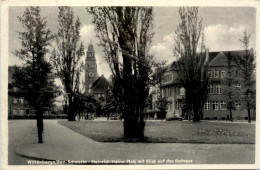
(168,132)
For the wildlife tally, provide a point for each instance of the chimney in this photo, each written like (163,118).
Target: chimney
(207,55)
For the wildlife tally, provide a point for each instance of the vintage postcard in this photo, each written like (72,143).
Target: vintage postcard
(129,84)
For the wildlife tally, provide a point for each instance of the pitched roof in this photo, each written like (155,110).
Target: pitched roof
(220,58)
(212,55)
(171,66)
(100,85)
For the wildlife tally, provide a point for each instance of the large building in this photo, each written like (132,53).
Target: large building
(91,74)
(94,84)
(216,106)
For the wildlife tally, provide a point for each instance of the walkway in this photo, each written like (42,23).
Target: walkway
(61,143)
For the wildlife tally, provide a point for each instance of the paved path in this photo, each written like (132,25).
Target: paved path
(18,131)
(61,143)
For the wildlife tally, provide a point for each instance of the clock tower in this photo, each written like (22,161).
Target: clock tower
(91,74)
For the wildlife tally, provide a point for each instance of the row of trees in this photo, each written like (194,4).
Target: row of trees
(125,33)
(35,81)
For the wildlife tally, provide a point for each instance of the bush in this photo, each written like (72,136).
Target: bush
(18,117)
(33,116)
(61,116)
(158,112)
(51,116)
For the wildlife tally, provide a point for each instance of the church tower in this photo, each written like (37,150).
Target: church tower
(91,74)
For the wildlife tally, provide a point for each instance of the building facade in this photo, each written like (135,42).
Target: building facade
(17,106)
(216,105)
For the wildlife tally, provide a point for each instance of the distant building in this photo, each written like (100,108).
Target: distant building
(100,87)
(94,84)
(91,74)
(17,106)
(216,106)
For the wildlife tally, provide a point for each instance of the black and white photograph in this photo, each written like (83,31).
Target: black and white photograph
(136,86)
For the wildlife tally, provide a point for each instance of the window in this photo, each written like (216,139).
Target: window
(14,112)
(218,89)
(169,92)
(215,105)
(211,89)
(223,105)
(21,100)
(216,74)
(207,106)
(21,111)
(168,78)
(177,105)
(238,85)
(210,74)
(223,74)
(15,100)
(238,106)
(182,91)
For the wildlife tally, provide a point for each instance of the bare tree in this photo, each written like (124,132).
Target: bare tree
(192,65)
(67,54)
(246,66)
(125,34)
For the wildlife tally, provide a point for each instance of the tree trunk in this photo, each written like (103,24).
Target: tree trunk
(71,116)
(230,115)
(134,126)
(196,115)
(249,116)
(201,114)
(39,117)
(79,116)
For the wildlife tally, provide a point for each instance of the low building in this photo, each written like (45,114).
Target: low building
(100,87)
(17,106)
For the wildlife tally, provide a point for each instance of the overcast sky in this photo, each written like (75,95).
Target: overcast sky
(223,27)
